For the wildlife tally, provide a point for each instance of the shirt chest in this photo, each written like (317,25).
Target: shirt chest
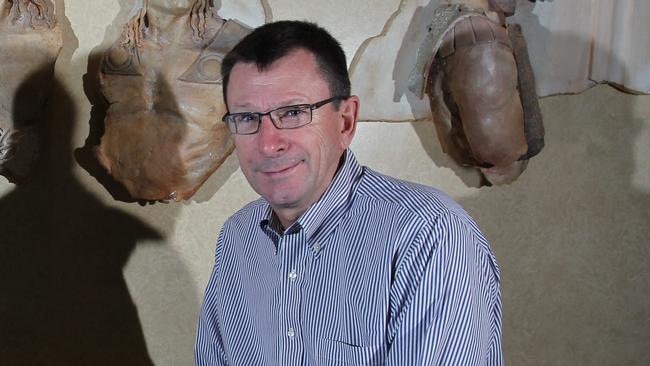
(308,299)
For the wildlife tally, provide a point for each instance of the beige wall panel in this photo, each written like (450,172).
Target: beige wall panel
(351,22)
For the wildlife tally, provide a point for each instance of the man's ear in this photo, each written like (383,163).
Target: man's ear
(349,112)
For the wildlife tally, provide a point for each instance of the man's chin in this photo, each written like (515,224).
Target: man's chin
(282,199)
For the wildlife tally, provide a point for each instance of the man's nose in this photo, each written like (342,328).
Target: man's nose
(271,140)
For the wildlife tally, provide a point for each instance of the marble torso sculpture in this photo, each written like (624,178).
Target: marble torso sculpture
(481,87)
(163,131)
(30,41)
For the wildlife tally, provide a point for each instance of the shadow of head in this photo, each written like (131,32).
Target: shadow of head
(62,255)
(20,141)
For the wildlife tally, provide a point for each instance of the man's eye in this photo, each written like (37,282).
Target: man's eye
(246,118)
(292,113)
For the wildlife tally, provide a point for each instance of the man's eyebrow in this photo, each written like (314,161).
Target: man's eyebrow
(249,107)
(243,106)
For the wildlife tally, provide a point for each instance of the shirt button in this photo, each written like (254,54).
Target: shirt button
(317,247)
(293,275)
(291,333)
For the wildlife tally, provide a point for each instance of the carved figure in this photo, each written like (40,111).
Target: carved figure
(481,88)
(163,131)
(30,42)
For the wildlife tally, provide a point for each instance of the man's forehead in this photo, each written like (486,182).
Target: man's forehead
(296,65)
(292,79)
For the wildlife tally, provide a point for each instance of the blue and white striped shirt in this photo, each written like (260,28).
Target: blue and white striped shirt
(377,272)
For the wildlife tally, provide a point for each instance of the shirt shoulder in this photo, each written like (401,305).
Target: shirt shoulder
(423,202)
(434,219)
(251,213)
(422,211)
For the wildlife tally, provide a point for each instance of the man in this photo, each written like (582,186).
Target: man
(335,263)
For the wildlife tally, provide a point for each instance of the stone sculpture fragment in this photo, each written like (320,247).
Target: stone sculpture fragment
(163,132)
(30,42)
(476,73)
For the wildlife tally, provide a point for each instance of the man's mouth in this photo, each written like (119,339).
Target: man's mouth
(279,171)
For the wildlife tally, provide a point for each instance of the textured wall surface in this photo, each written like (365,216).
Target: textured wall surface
(89,280)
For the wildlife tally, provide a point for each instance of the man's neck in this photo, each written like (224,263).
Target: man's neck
(287,217)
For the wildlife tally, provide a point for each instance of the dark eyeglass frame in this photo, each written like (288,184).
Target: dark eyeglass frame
(228,118)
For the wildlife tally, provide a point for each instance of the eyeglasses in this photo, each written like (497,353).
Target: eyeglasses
(283,118)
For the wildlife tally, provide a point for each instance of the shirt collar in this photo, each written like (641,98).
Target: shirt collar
(334,200)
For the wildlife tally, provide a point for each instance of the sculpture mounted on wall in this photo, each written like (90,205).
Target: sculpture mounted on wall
(481,87)
(163,133)
(30,41)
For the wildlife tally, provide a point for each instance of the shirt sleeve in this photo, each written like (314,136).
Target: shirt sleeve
(209,350)
(445,299)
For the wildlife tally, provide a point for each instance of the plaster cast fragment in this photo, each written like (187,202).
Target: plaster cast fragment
(30,41)
(163,131)
(468,66)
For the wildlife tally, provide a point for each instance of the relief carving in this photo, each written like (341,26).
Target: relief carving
(30,41)
(163,132)
(481,88)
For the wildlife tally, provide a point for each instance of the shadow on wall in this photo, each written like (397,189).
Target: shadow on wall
(85,156)
(158,279)
(63,252)
(571,236)
(407,54)
(64,300)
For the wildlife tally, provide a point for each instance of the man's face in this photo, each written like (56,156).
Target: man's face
(292,168)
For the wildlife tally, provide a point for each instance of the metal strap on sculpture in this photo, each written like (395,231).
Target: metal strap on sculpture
(443,19)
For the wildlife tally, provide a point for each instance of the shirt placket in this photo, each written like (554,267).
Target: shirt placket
(291,263)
